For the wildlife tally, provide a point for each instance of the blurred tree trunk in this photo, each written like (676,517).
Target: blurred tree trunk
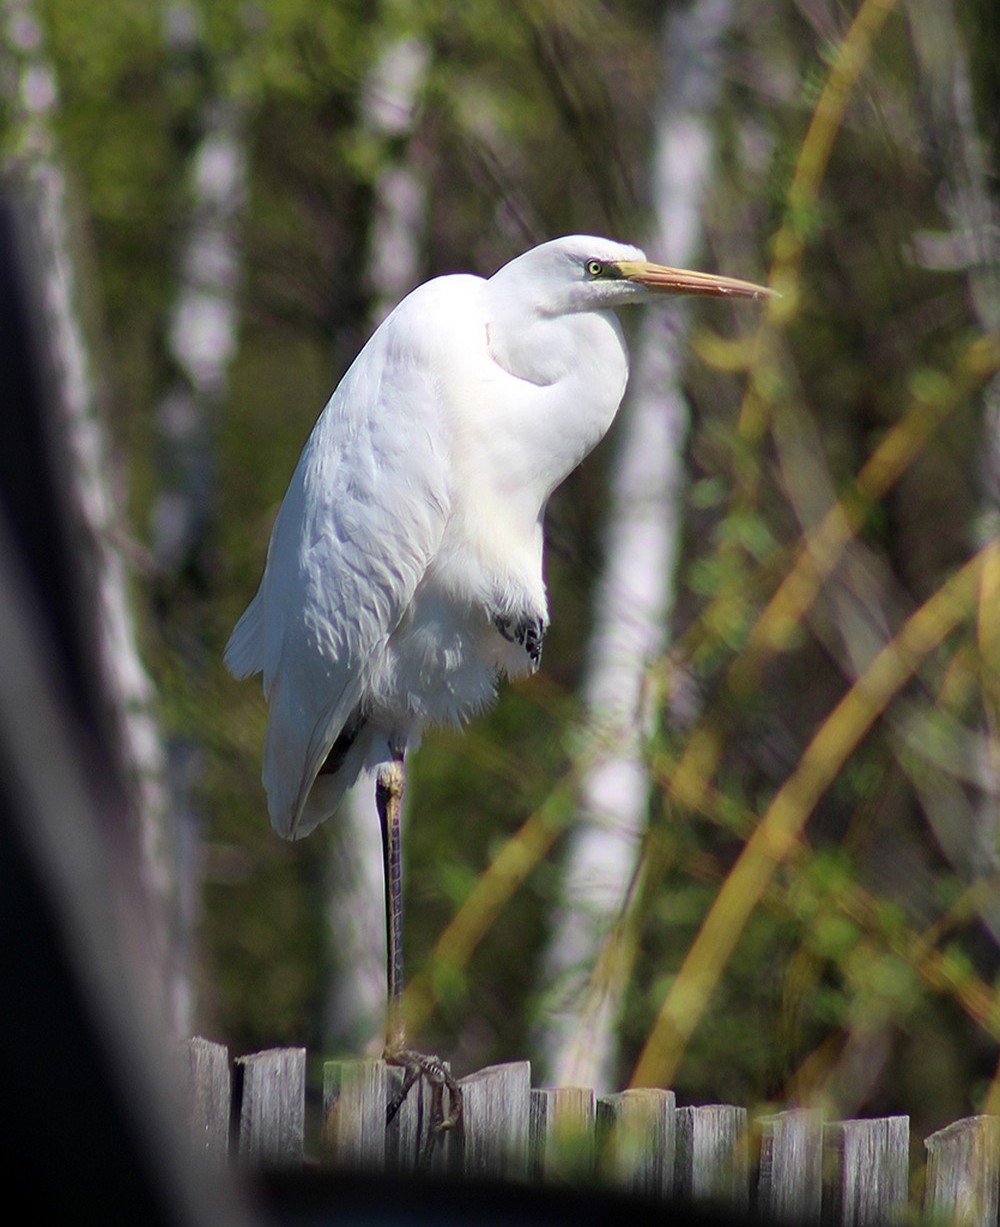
(202,334)
(93,498)
(355,998)
(588,960)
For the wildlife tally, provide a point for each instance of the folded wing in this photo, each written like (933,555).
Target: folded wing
(359,525)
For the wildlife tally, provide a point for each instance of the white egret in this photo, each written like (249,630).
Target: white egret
(404,571)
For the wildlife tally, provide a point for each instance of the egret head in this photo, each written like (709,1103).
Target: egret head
(585,273)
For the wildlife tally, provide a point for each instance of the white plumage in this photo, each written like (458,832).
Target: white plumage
(412,524)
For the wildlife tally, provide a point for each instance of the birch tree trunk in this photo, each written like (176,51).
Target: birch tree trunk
(355,1003)
(93,500)
(587,958)
(202,336)
(202,331)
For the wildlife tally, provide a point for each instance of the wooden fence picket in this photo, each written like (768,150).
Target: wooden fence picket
(870,1162)
(355,1094)
(209,1098)
(790,1180)
(495,1126)
(851,1173)
(561,1135)
(637,1140)
(712,1155)
(272,1093)
(963,1173)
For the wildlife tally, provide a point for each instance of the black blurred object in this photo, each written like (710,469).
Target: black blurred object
(33,463)
(318,1199)
(93,1133)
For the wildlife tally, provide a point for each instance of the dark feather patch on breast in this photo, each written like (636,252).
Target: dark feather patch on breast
(526,630)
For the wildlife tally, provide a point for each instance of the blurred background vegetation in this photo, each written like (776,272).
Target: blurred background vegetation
(833,678)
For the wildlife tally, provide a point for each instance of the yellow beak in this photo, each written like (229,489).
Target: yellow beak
(666,280)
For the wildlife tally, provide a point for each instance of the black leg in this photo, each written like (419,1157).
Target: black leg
(388,799)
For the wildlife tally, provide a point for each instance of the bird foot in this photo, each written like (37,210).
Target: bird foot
(416,1065)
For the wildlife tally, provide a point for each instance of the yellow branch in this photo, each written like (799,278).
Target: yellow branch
(803,193)
(495,886)
(823,548)
(781,826)
(817,145)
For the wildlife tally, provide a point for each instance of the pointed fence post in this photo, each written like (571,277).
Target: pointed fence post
(790,1185)
(869,1163)
(272,1098)
(495,1121)
(636,1138)
(963,1165)
(209,1098)
(712,1164)
(562,1133)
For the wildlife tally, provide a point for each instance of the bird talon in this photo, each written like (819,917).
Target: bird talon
(452,1120)
(412,1073)
(437,1073)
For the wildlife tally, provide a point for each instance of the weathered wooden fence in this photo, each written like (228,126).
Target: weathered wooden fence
(792,1167)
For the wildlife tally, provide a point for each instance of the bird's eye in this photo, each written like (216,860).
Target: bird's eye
(595,268)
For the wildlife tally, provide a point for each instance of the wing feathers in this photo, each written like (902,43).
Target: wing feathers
(243,655)
(361,522)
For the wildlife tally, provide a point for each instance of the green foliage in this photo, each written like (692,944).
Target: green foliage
(535,120)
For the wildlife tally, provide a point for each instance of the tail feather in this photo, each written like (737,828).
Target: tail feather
(303,723)
(328,790)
